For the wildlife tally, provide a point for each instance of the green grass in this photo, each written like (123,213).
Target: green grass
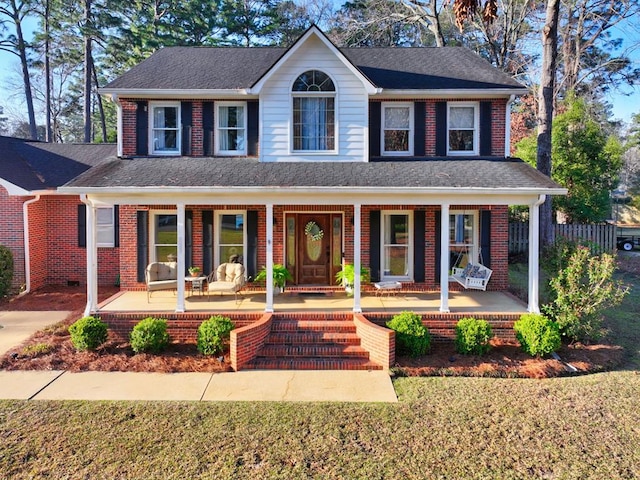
(459,428)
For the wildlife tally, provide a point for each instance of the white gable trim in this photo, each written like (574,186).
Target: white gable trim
(13,189)
(370,88)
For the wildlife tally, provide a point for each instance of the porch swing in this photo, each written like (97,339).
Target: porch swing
(474,276)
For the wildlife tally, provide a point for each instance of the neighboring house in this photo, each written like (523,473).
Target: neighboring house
(312,156)
(45,229)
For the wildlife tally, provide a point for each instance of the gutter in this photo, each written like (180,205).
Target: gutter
(27,252)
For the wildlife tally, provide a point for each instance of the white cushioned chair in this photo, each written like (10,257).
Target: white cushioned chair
(228,278)
(161,276)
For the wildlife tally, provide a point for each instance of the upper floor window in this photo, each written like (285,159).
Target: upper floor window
(397,125)
(165,128)
(463,129)
(231,128)
(314,112)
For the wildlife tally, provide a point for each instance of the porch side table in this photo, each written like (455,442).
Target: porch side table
(196,284)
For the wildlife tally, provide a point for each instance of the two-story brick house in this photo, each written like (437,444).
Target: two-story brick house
(396,159)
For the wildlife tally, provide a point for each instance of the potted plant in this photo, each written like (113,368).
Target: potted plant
(346,277)
(280,277)
(194,271)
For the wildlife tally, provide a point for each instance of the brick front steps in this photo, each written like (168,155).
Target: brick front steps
(301,344)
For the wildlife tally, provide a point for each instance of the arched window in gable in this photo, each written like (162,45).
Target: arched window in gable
(314,112)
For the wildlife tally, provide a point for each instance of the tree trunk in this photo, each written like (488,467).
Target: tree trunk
(87,71)
(47,70)
(545,111)
(103,121)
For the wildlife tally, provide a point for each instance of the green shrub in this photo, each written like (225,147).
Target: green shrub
(213,334)
(149,335)
(538,336)
(583,290)
(6,270)
(412,337)
(88,333)
(37,349)
(472,336)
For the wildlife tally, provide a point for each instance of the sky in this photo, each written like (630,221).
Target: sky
(625,101)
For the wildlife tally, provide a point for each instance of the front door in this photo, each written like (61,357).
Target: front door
(314,247)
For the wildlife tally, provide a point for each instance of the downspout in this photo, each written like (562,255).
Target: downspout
(27,250)
(507,128)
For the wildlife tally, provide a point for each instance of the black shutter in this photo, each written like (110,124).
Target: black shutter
(485,128)
(419,113)
(375,117)
(188,240)
(441,129)
(207,127)
(142,129)
(116,225)
(252,128)
(186,114)
(374,245)
(82,225)
(485,237)
(418,242)
(143,241)
(438,245)
(207,242)
(251,259)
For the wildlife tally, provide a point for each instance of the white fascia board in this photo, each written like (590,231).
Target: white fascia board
(173,93)
(13,189)
(370,88)
(320,196)
(451,93)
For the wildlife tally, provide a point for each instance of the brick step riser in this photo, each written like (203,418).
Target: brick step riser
(312,338)
(312,364)
(298,327)
(346,351)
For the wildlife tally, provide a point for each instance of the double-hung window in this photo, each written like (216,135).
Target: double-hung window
(397,126)
(397,245)
(164,237)
(463,238)
(463,128)
(231,236)
(231,128)
(105,227)
(164,135)
(314,125)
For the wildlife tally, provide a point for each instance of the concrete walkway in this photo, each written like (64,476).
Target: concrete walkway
(265,385)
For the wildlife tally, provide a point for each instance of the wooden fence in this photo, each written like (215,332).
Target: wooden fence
(602,235)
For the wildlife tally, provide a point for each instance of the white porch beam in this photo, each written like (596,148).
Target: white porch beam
(92,258)
(180,304)
(444,258)
(357,260)
(269,301)
(534,255)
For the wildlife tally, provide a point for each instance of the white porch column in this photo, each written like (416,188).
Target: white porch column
(534,255)
(92,259)
(180,306)
(357,233)
(444,258)
(269,302)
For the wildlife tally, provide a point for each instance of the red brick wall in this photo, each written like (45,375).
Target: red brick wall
(247,341)
(380,342)
(11,233)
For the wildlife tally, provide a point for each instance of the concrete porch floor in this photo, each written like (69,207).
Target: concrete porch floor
(472,302)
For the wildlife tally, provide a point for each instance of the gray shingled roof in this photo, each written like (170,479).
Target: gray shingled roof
(35,165)
(210,68)
(486,173)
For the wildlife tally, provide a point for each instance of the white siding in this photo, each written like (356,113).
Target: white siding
(351,108)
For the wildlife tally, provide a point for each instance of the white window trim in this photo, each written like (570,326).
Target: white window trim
(152,232)
(476,128)
(219,151)
(474,253)
(178,149)
(411,128)
(336,115)
(410,246)
(111,226)
(216,243)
